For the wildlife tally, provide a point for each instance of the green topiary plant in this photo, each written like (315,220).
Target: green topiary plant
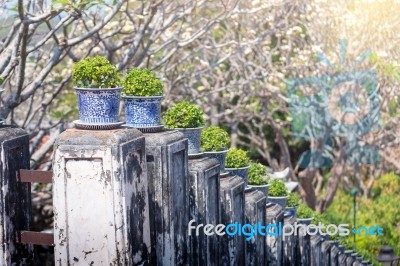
(304,212)
(214,138)
(141,82)
(237,158)
(277,189)
(183,115)
(95,72)
(293,200)
(258,174)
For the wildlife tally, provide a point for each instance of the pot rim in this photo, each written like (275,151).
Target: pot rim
(142,97)
(279,197)
(240,168)
(259,186)
(213,152)
(305,219)
(98,89)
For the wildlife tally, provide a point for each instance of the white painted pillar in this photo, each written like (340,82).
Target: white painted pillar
(101,207)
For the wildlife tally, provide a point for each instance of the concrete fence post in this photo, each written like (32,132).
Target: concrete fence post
(274,240)
(101,208)
(289,243)
(255,213)
(15,197)
(167,164)
(204,209)
(232,248)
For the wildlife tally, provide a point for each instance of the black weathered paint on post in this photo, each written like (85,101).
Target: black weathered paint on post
(167,166)
(204,209)
(334,256)
(315,242)
(274,243)
(326,253)
(255,212)
(15,197)
(232,248)
(304,250)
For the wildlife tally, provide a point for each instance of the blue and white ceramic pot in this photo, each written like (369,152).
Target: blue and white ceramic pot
(261,188)
(193,136)
(305,221)
(281,201)
(242,172)
(220,156)
(142,111)
(98,106)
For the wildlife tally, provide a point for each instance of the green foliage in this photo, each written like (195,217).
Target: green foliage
(293,200)
(141,82)
(381,209)
(303,212)
(277,189)
(236,158)
(95,72)
(183,115)
(1,80)
(258,174)
(214,138)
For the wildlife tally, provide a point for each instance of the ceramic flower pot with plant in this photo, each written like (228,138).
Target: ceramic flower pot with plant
(188,119)
(258,178)
(97,84)
(278,193)
(292,204)
(142,94)
(304,214)
(215,143)
(237,163)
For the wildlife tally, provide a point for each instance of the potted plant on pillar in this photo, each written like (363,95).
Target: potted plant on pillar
(292,204)
(97,84)
(278,193)
(304,214)
(258,177)
(142,94)
(186,118)
(237,163)
(215,143)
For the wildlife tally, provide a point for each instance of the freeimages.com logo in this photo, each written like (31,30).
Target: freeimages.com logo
(343,104)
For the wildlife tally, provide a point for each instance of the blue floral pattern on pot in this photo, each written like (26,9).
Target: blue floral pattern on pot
(193,136)
(242,172)
(98,106)
(143,111)
(220,156)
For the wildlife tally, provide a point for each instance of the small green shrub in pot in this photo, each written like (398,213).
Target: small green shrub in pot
(142,94)
(237,163)
(278,193)
(188,119)
(215,142)
(97,84)
(214,139)
(141,82)
(304,214)
(258,177)
(291,205)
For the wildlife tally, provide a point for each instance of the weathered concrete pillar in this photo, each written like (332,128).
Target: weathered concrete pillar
(326,253)
(255,213)
(101,208)
(334,256)
(275,243)
(304,250)
(232,248)
(204,209)
(167,165)
(316,242)
(15,197)
(290,244)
